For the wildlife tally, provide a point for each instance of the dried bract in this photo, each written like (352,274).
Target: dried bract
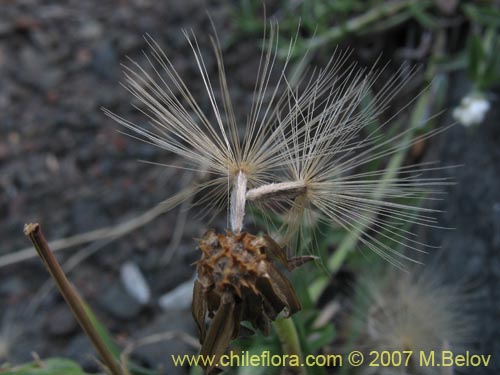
(239,280)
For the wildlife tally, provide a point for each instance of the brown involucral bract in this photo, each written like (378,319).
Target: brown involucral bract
(238,280)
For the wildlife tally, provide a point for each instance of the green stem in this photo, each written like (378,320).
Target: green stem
(290,343)
(355,24)
(34,232)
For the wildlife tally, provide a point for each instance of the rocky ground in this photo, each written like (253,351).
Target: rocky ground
(470,254)
(63,163)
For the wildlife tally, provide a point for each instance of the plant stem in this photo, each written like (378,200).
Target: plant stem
(287,189)
(34,232)
(355,24)
(238,201)
(285,328)
(290,343)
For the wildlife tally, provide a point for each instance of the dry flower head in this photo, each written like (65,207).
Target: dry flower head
(238,280)
(300,154)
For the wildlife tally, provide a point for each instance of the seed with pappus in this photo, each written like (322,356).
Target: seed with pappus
(413,313)
(302,152)
(301,149)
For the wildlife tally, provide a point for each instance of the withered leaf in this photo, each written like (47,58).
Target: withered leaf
(253,312)
(277,253)
(213,302)
(274,300)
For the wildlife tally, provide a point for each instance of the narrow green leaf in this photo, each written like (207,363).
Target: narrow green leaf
(111,344)
(51,366)
(102,331)
(422,17)
(483,15)
(476,56)
(321,337)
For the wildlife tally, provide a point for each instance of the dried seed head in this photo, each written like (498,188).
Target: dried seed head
(231,262)
(238,279)
(244,265)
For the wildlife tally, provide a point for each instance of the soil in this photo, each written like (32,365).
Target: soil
(65,164)
(470,252)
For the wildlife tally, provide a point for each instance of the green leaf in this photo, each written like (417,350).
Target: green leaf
(483,15)
(257,350)
(111,344)
(321,337)
(51,366)
(422,17)
(476,56)
(303,329)
(491,72)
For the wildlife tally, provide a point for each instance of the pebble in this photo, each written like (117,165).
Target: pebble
(179,298)
(81,350)
(134,283)
(105,61)
(86,215)
(90,30)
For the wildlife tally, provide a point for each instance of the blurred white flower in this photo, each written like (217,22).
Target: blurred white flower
(472,109)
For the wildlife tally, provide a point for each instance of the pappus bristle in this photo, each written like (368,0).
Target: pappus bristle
(179,125)
(326,152)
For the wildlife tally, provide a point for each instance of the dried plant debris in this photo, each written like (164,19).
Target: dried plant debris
(239,280)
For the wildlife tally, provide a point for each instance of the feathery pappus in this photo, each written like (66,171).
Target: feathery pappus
(302,151)
(415,315)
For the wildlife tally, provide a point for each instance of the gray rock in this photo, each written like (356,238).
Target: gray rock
(470,252)
(105,60)
(86,215)
(179,298)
